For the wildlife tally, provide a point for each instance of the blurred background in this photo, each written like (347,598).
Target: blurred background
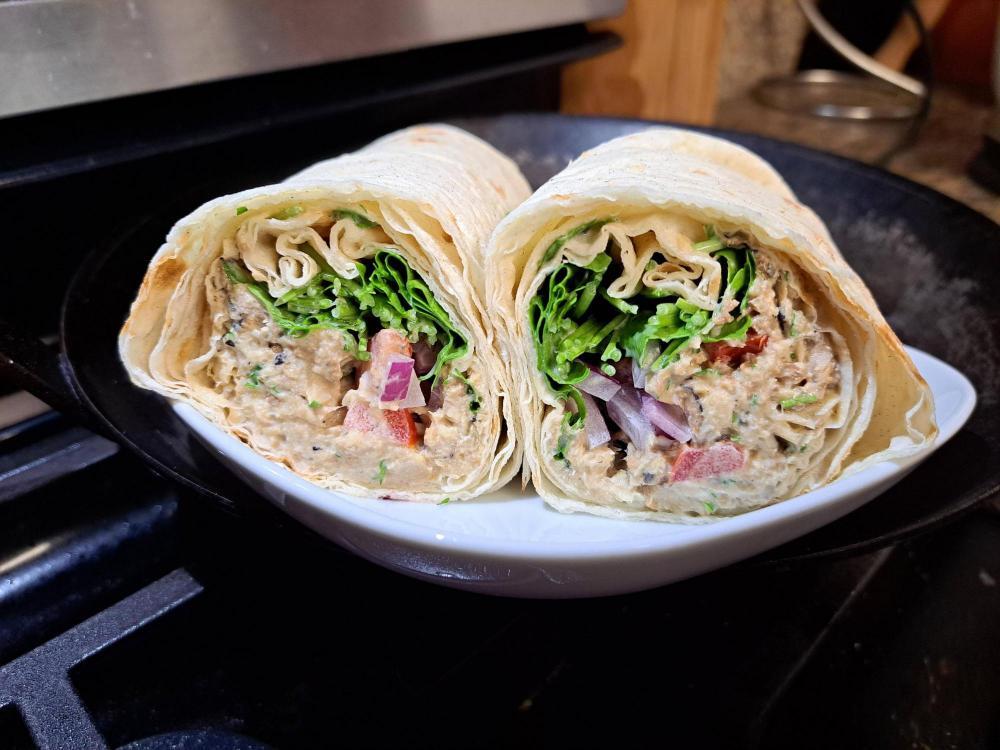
(739,64)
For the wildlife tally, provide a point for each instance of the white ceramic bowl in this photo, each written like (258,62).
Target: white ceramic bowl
(510,543)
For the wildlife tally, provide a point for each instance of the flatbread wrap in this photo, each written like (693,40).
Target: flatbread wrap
(686,341)
(335,322)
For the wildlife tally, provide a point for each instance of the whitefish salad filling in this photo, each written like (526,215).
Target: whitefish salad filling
(692,368)
(329,349)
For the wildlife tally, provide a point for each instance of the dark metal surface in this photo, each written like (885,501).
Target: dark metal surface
(38,683)
(86,51)
(350,94)
(927,259)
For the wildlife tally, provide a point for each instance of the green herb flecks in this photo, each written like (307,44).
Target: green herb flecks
(382,471)
(240,210)
(801,400)
(229,338)
(253,377)
(475,403)
(444,501)
(314,404)
(710,507)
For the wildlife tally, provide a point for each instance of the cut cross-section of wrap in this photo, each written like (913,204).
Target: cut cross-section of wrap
(685,339)
(335,323)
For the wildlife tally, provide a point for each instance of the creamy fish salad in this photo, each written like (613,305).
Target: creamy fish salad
(330,350)
(690,367)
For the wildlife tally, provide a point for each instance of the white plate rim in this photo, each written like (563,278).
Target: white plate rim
(366,513)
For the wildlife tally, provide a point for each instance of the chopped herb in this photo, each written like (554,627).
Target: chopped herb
(565,437)
(802,448)
(382,471)
(230,338)
(754,400)
(314,404)
(608,369)
(785,275)
(710,507)
(791,330)
(360,220)
(253,378)
(474,402)
(444,501)
(735,437)
(288,213)
(273,390)
(241,210)
(735,418)
(711,371)
(805,398)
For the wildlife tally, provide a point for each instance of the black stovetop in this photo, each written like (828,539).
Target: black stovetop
(130,610)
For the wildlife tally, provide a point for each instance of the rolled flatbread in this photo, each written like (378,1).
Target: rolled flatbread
(335,321)
(685,339)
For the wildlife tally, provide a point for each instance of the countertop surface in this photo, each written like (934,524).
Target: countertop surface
(937,156)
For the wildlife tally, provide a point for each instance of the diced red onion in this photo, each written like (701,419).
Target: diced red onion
(668,417)
(626,411)
(594,424)
(600,385)
(641,366)
(397,379)
(414,396)
(424,357)
(638,375)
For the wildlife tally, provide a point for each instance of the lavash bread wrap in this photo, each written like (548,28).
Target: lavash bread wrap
(335,321)
(686,341)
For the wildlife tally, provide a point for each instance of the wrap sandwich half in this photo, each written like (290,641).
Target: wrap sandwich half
(687,342)
(334,322)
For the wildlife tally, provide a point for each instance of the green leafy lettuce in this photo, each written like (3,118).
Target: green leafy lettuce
(387,293)
(573,318)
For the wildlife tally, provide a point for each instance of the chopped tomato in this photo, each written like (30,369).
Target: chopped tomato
(394,424)
(732,355)
(397,426)
(702,463)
